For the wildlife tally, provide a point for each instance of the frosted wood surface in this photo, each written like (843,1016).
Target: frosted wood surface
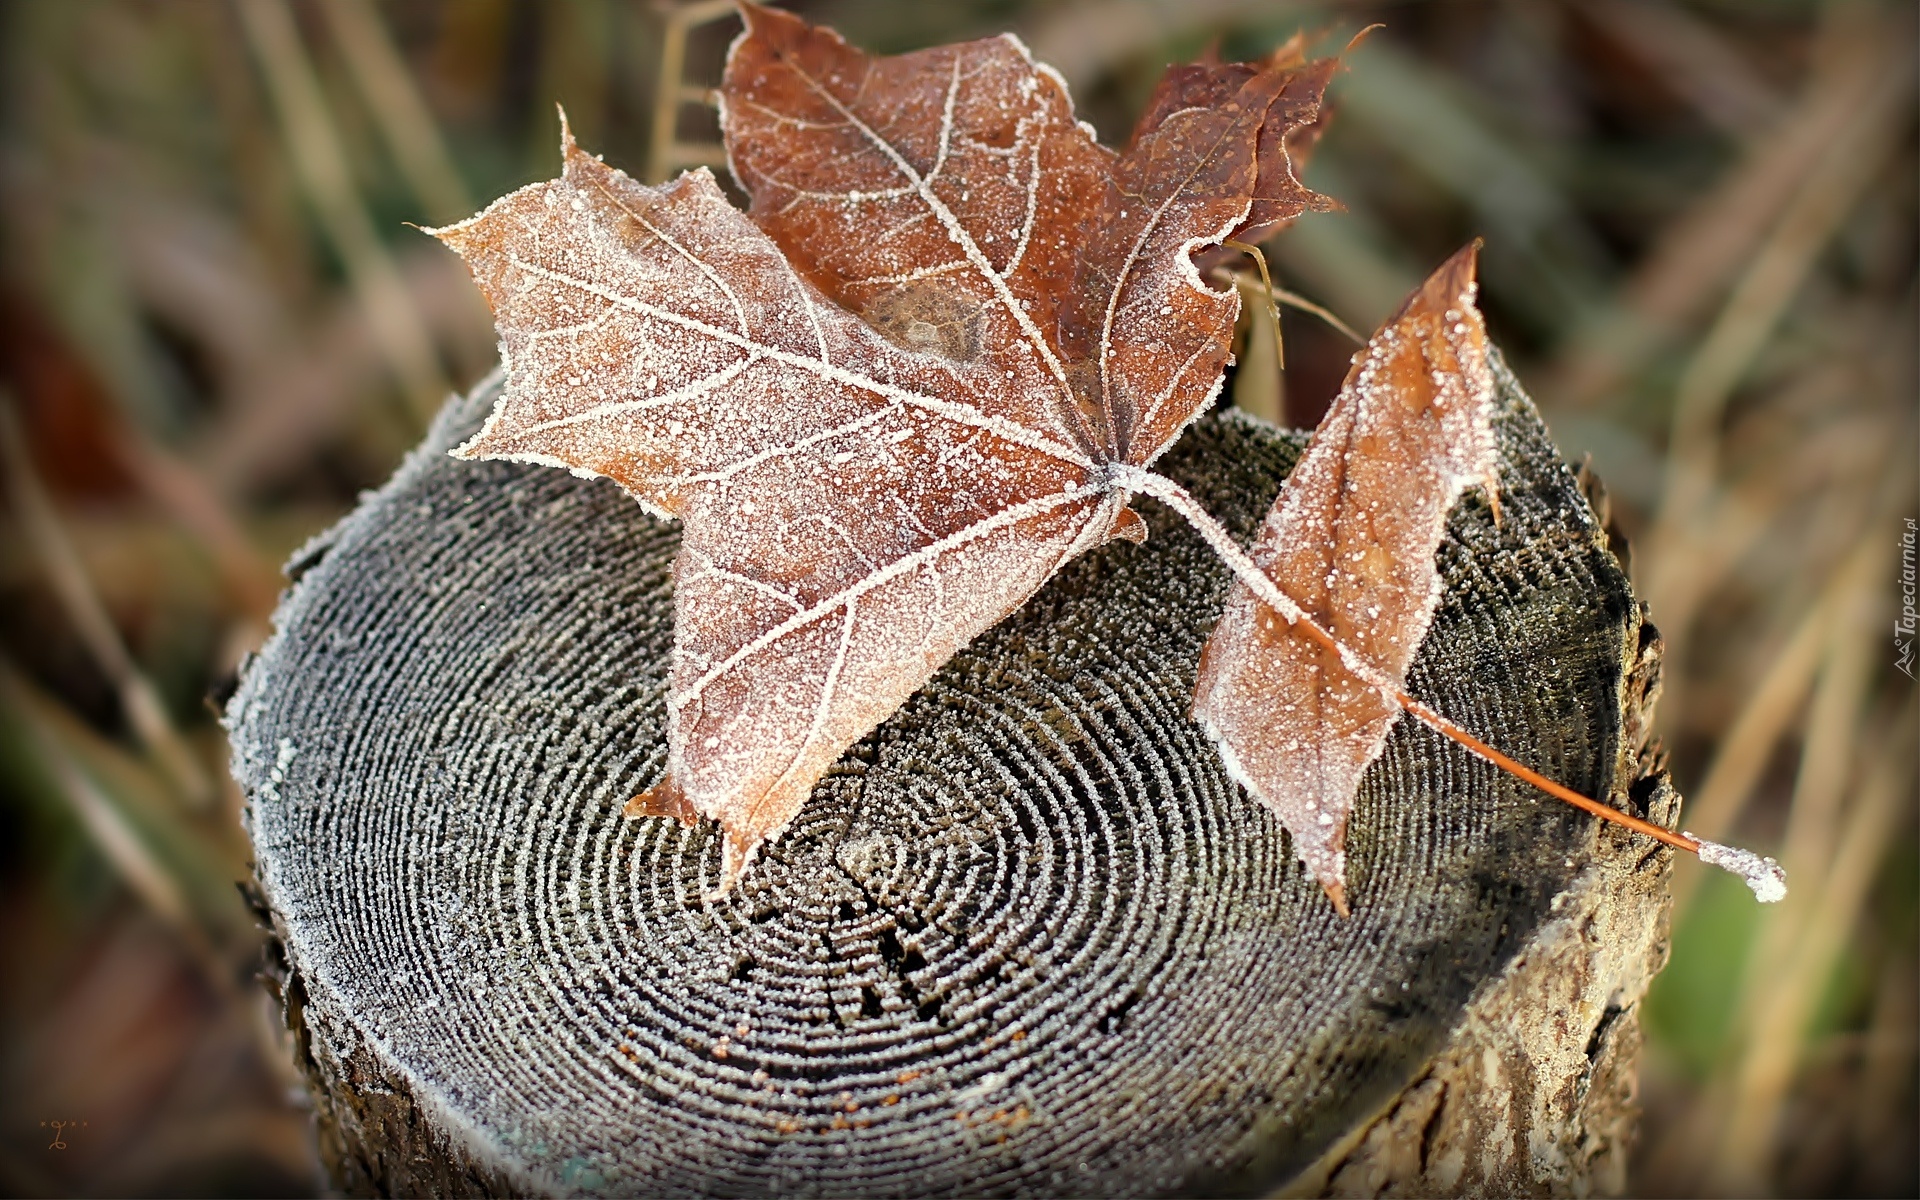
(1026,938)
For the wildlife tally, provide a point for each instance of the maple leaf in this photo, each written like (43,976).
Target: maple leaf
(929,367)
(1351,540)
(854,512)
(888,407)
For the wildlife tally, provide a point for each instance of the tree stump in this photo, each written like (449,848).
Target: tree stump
(1027,937)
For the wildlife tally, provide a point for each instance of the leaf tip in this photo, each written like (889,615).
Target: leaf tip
(736,853)
(1337,892)
(1454,283)
(762,21)
(488,443)
(454,237)
(1459,276)
(663,799)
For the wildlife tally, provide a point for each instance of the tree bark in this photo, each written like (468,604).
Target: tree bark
(1026,938)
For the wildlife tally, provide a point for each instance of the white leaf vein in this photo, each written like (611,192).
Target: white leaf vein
(1033,208)
(703,386)
(709,567)
(963,414)
(956,232)
(740,466)
(1009,516)
(739,309)
(820,710)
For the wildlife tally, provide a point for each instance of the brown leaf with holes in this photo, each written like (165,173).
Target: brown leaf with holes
(886,408)
(1351,539)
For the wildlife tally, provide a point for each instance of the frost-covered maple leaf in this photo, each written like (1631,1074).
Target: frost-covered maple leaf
(928,367)
(892,403)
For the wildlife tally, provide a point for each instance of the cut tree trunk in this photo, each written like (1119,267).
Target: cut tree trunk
(1026,938)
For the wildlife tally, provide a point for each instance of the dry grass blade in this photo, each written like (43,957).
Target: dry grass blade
(1259,386)
(253,582)
(320,161)
(1424,118)
(1797,959)
(1295,300)
(1693,60)
(1352,261)
(1684,565)
(572,70)
(1083,41)
(1254,288)
(117,839)
(1703,560)
(173,870)
(1268,300)
(397,108)
(1770,282)
(1748,746)
(666,153)
(1890,1046)
(1834,736)
(320,388)
(139,701)
(1697,254)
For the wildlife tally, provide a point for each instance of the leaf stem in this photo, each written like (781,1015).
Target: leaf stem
(1762,875)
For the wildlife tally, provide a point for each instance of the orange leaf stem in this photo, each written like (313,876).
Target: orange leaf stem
(1177,498)
(1521,771)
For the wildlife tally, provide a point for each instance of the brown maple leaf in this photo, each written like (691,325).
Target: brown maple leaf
(1351,540)
(888,407)
(927,369)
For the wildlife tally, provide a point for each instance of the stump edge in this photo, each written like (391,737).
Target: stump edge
(1535,1091)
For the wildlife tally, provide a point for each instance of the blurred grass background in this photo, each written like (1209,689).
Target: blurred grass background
(216,328)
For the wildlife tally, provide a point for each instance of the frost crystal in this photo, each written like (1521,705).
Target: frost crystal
(1763,875)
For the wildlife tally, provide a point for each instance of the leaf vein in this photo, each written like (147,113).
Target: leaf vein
(906,563)
(961,414)
(961,238)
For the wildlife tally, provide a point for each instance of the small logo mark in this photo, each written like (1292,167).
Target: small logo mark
(60,1129)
